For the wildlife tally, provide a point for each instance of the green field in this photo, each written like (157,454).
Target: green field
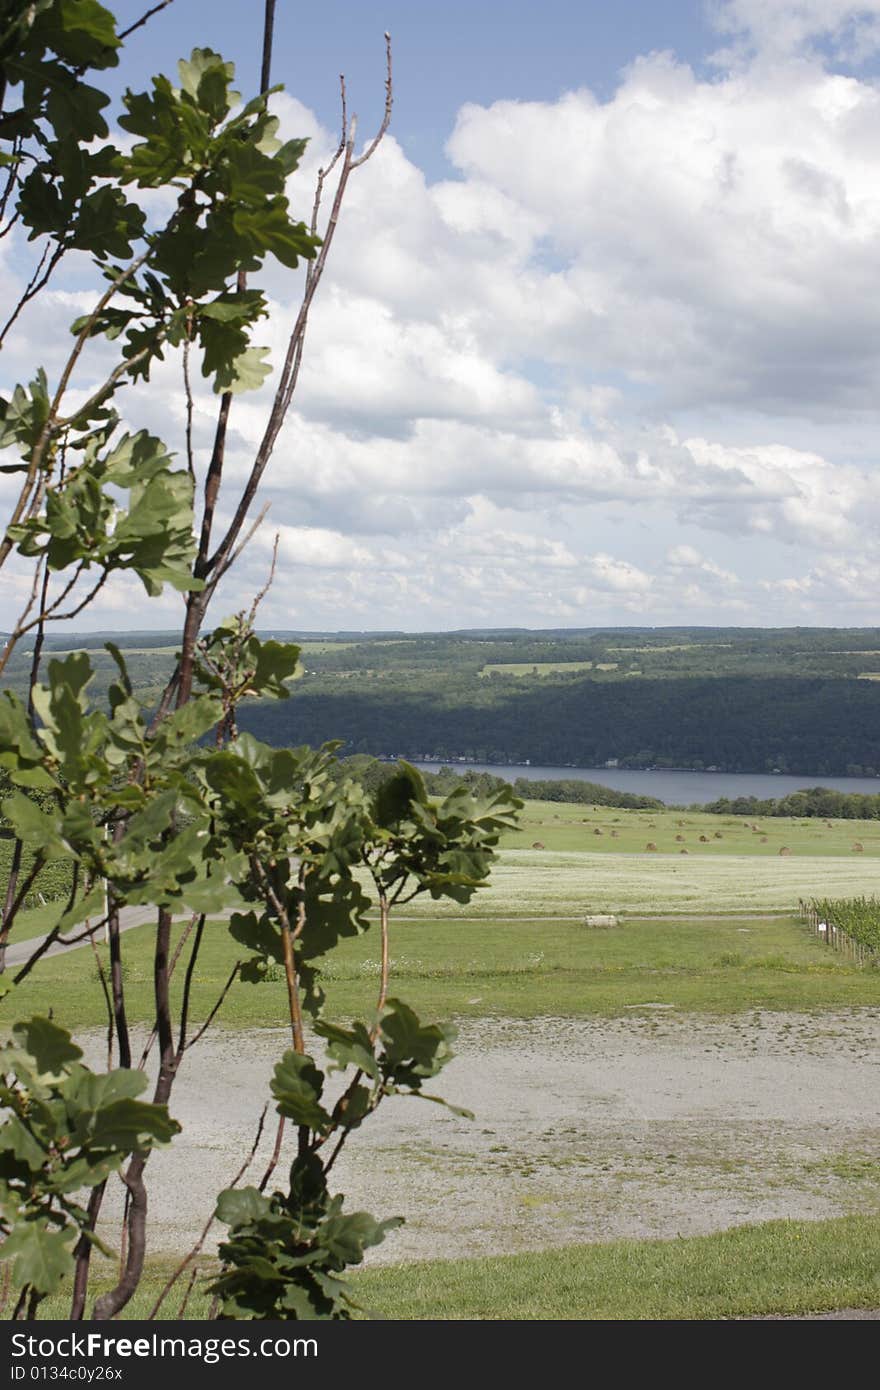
(503,967)
(778,1267)
(538,883)
(537,668)
(606,829)
(713,931)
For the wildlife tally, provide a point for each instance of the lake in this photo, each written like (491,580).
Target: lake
(673,787)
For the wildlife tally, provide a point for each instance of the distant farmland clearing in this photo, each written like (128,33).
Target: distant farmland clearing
(543,668)
(534,883)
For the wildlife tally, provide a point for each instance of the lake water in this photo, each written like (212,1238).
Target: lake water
(674,788)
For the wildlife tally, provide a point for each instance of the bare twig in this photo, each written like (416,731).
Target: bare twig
(117,984)
(11,181)
(212,583)
(162,5)
(290,370)
(184,937)
(83,1254)
(107,1000)
(268,32)
(383,982)
(276,1154)
(20,628)
(209,566)
(194,1274)
(37,282)
(187,986)
(386,118)
(187,386)
(216,1009)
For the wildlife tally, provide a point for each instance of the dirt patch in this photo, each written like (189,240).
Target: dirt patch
(649,1126)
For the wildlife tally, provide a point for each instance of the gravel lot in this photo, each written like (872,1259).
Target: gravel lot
(656,1125)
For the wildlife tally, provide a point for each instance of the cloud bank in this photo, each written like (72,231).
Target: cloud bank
(622,366)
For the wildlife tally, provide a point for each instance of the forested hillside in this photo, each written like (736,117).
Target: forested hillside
(740,724)
(798,700)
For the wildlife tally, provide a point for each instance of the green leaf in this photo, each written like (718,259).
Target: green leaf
(412,1050)
(253,177)
(91,906)
(269,228)
(131,1125)
(297,1085)
(93,1090)
(42,1256)
(238,1206)
(290,155)
(395,797)
(347,1236)
(19,751)
(16,1138)
(246,372)
(459,1110)
(205,78)
(349,1047)
(33,826)
(51,1047)
(81,31)
(257,934)
(276,663)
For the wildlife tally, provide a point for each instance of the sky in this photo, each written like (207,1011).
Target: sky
(599,338)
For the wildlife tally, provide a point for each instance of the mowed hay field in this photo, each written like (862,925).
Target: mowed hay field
(557,865)
(537,883)
(610,830)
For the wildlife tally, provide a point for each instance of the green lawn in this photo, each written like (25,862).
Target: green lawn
(783,1266)
(36,921)
(779,1267)
(507,967)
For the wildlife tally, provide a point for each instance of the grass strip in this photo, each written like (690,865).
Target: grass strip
(774,1268)
(448,968)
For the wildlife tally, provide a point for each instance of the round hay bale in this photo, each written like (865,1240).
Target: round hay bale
(614,834)
(601,920)
(704,839)
(597,831)
(858,847)
(718,835)
(650,845)
(763,839)
(679,838)
(684,851)
(539,844)
(785,850)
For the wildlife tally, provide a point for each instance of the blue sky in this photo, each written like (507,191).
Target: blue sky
(445,54)
(600,337)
